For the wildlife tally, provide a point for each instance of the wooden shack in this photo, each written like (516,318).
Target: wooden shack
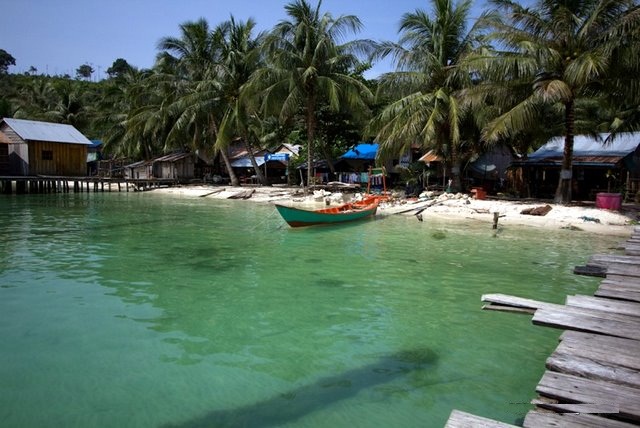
(175,166)
(44,148)
(142,170)
(4,154)
(178,166)
(601,163)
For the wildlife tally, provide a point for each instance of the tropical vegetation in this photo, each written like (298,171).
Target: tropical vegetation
(559,57)
(517,75)
(424,105)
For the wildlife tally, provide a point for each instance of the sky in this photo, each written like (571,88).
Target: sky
(58,36)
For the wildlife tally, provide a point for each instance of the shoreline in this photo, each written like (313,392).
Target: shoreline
(458,207)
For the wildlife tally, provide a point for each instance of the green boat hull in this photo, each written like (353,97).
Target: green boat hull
(296,217)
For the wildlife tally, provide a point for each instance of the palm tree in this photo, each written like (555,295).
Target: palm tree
(562,52)
(307,67)
(425,92)
(194,58)
(34,98)
(120,101)
(241,57)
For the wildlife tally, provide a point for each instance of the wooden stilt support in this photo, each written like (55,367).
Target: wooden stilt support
(496,216)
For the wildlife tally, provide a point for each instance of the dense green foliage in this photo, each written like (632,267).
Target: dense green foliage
(517,75)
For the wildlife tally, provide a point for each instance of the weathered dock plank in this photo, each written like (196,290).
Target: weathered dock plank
(623,270)
(573,389)
(593,376)
(624,280)
(503,302)
(614,350)
(581,366)
(615,258)
(500,301)
(591,270)
(618,290)
(458,419)
(606,305)
(537,419)
(630,248)
(589,321)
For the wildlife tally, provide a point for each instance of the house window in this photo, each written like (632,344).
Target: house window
(47,155)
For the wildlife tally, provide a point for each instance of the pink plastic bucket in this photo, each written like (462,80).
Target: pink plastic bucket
(608,201)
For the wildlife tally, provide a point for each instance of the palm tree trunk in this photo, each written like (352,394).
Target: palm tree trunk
(563,192)
(227,163)
(311,135)
(261,177)
(456,183)
(232,175)
(327,156)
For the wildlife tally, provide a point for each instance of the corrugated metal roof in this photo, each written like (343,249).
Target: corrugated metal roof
(246,162)
(139,164)
(46,131)
(587,145)
(172,157)
(289,148)
(606,161)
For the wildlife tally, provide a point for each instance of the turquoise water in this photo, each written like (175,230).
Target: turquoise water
(145,310)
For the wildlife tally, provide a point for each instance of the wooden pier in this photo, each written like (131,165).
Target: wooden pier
(592,379)
(55,184)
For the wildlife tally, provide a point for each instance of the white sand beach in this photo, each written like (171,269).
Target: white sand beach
(461,207)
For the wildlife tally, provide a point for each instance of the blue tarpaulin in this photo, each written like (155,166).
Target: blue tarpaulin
(586,145)
(362,151)
(246,162)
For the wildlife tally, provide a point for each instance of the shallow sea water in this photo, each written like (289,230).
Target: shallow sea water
(146,310)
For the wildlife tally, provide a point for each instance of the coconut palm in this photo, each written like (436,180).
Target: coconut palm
(425,105)
(35,97)
(241,57)
(562,52)
(308,67)
(120,100)
(193,59)
(193,53)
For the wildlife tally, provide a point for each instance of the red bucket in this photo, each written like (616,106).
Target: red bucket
(479,193)
(609,201)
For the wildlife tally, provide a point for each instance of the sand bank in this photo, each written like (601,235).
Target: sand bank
(582,217)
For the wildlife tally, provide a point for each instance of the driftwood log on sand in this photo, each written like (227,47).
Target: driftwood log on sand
(539,211)
(212,192)
(245,194)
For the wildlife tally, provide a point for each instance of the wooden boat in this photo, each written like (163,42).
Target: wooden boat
(297,217)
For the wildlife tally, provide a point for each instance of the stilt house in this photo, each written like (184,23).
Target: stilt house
(44,148)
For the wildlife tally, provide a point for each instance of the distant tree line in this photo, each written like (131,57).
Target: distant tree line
(517,75)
